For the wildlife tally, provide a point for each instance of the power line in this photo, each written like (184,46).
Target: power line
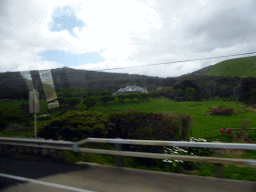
(171,62)
(181,61)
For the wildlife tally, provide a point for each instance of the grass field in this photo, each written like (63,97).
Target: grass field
(235,68)
(13,105)
(203,125)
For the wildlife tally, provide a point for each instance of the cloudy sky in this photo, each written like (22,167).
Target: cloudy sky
(106,34)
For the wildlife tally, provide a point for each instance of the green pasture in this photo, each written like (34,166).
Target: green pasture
(14,105)
(238,67)
(203,125)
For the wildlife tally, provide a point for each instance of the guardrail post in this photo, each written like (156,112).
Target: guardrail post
(219,167)
(119,159)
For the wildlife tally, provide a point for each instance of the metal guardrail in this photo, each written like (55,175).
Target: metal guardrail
(74,146)
(219,162)
(172,143)
(40,143)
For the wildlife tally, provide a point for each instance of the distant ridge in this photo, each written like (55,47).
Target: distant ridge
(239,67)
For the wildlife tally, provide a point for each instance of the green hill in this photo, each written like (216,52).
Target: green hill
(239,67)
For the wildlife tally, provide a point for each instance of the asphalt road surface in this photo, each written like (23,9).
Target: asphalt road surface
(31,166)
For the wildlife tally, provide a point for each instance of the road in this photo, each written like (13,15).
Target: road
(41,166)
(56,175)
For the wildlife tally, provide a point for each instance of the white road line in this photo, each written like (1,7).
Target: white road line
(43,183)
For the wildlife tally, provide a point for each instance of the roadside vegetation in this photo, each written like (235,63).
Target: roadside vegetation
(157,115)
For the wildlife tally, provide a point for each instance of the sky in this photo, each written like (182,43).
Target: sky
(99,34)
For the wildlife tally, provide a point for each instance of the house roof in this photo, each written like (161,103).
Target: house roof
(121,90)
(131,89)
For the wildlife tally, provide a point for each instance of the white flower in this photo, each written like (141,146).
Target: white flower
(169,161)
(165,161)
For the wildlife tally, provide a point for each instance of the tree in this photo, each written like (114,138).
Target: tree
(167,92)
(89,102)
(121,98)
(61,101)
(226,91)
(107,98)
(179,93)
(132,96)
(73,102)
(190,94)
(247,85)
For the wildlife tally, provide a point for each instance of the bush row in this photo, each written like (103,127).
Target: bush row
(131,124)
(221,110)
(89,102)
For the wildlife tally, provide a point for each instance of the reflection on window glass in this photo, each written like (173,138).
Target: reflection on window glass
(49,88)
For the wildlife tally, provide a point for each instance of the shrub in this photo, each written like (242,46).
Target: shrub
(179,93)
(74,125)
(133,124)
(221,110)
(144,96)
(186,121)
(167,92)
(72,102)
(179,165)
(61,101)
(190,94)
(89,102)
(106,99)
(155,94)
(132,96)
(121,98)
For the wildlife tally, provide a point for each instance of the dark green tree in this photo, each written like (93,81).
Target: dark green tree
(72,102)
(106,99)
(247,85)
(121,98)
(226,91)
(190,94)
(89,102)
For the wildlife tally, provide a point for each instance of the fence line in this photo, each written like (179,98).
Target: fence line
(244,146)
(74,146)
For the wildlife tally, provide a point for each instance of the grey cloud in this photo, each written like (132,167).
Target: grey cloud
(225,28)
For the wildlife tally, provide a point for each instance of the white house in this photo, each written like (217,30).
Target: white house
(130,89)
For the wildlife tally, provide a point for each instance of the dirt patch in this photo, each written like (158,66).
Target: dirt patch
(233,152)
